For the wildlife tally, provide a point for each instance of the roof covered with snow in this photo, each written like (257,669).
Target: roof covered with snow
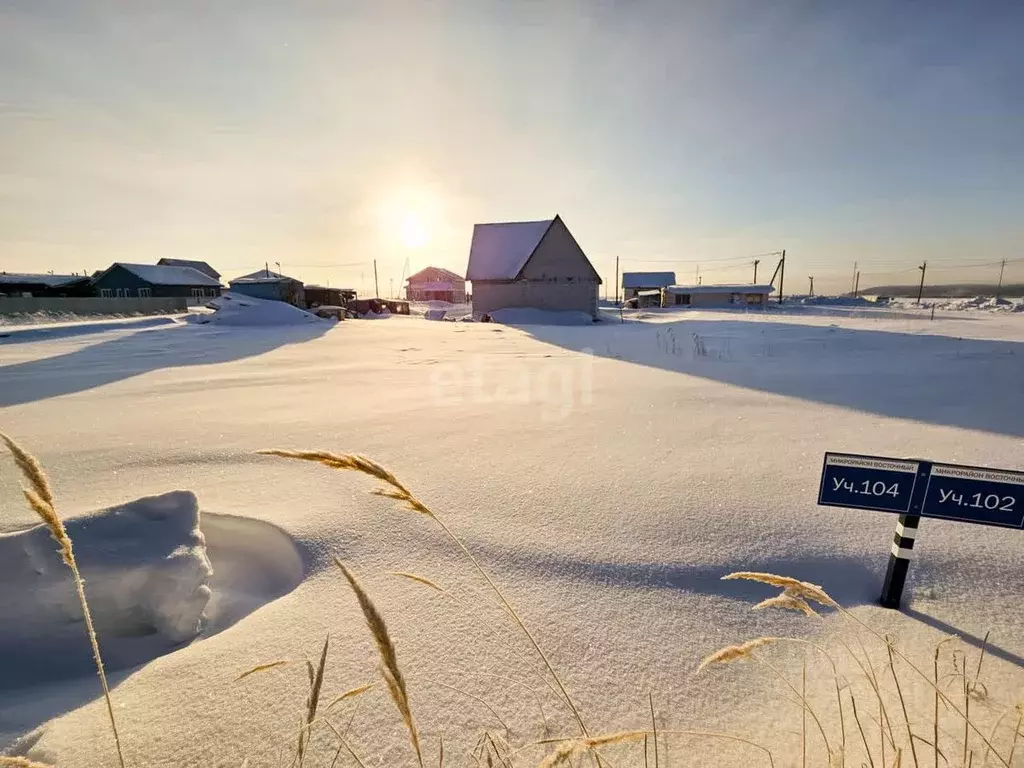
(720,288)
(202,266)
(647,279)
(51,281)
(264,276)
(500,251)
(158,274)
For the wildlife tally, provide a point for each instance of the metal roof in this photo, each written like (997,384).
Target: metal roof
(264,276)
(50,281)
(202,266)
(157,274)
(500,251)
(647,279)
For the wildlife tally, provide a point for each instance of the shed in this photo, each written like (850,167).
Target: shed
(436,284)
(536,264)
(718,295)
(634,282)
(267,284)
(33,285)
(322,296)
(202,266)
(122,280)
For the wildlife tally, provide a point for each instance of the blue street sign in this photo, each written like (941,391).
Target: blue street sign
(975,495)
(867,482)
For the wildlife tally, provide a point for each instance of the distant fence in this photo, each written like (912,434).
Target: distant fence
(92,306)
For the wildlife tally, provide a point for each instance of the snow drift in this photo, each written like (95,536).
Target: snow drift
(237,310)
(154,580)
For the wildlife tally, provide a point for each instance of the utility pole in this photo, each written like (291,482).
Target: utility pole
(856,285)
(266,268)
(278,267)
(616,279)
(1000,287)
(920,288)
(391,293)
(376,288)
(811,278)
(756,262)
(696,274)
(853,284)
(782,274)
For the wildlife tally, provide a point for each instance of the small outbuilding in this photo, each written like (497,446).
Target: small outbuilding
(267,284)
(535,264)
(322,296)
(202,266)
(22,285)
(635,282)
(712,296)
(436,284)
(122,280)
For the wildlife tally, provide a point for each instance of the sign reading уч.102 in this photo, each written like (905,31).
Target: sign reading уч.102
(910,487)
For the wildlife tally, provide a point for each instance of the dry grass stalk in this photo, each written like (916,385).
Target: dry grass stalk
(351,693)
(789,602)
(803,715)
(262,668)
(654,730)
(40,499)
(577,747)
(863,738)
(734,652)
(903,705)
(399,492)
(316,681)
(21,762)
(817,594)
(469,695)
(345,745)
(390,670)
(790,586)
(419,580)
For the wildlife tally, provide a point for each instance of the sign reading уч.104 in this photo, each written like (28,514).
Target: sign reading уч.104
(911,487)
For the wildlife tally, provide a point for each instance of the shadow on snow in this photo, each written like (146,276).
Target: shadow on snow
(942,380)
(137,353)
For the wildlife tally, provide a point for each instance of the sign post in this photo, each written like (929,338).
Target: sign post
(913,489)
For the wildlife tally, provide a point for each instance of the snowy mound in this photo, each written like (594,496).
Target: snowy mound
(147,576)
(527,316)
(153,580)
(234,309)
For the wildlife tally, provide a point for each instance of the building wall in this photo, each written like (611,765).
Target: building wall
(292,292)
(579,297)
(120,279)
(93,306)
(717,300)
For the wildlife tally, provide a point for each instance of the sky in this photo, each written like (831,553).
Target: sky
(694,136)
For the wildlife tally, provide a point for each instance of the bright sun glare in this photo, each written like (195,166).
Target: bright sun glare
(412,230)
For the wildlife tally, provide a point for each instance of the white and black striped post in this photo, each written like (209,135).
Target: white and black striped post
(903,542)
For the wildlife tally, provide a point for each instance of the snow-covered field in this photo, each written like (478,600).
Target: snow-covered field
(607,475)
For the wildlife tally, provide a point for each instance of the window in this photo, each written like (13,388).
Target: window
(145,293)
(683,298)
(197,293)
(120,292)
(106,293)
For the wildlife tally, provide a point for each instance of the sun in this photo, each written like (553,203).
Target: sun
(412,230)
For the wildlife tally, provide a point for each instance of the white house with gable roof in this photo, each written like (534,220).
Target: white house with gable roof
(535,264)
